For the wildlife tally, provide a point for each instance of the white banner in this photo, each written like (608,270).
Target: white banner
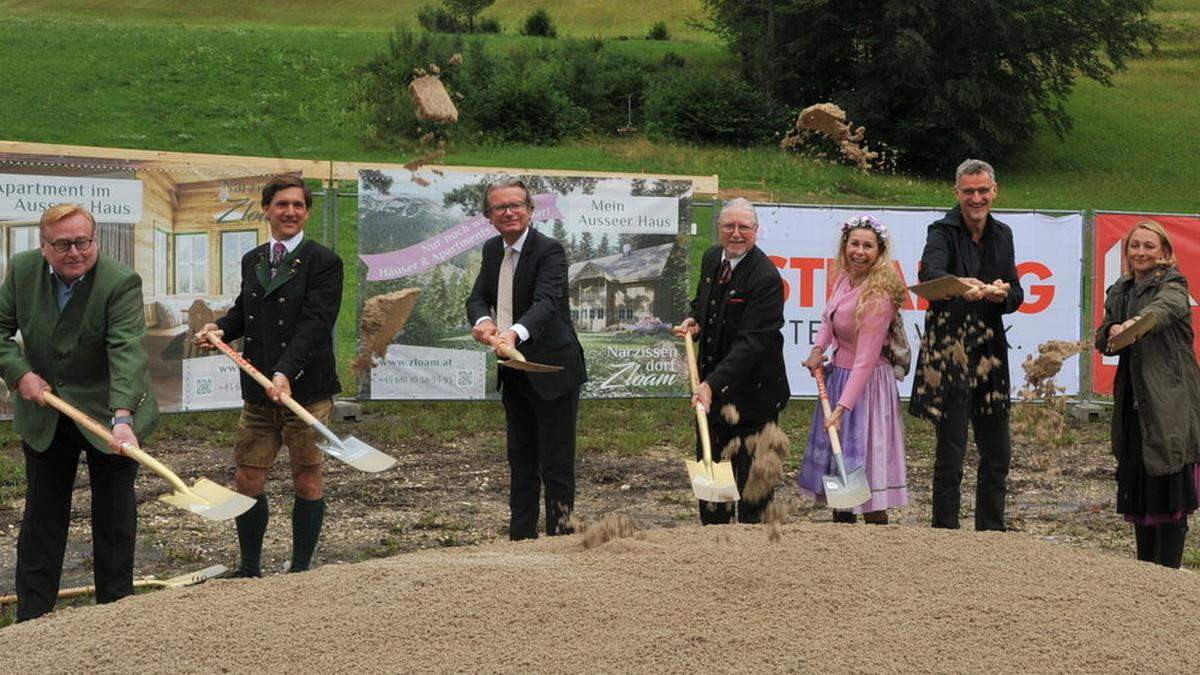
(25,197)
(802,241)
(412,372)
(211,382)
(614,212)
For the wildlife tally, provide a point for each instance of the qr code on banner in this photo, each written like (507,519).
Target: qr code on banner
(204,386)
(466,378)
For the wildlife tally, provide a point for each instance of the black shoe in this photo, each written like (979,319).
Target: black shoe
(239,573)
(847,517)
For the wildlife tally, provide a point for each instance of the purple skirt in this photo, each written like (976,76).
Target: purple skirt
(872,435)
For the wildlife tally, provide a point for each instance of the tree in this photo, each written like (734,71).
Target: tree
(467,10)
(603,249)
(936,80)
(585,250)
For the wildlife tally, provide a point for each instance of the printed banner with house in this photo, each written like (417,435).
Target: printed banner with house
(184,229)
(627,248)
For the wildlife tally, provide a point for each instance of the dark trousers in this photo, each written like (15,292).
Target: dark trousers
(720,513)
(995,452)
(49,482)
(541,453)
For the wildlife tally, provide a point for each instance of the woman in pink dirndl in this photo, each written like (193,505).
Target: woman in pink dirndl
(861,382)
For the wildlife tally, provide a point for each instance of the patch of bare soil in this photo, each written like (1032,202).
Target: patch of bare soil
(820,598)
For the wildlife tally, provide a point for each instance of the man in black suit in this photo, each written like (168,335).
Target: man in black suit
(290,295)
(738,314)
(520,300)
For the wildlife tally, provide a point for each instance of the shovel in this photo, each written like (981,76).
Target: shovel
(189,579)
(350,450)
(206,499)
(944,288)
(842,491)
(516,360)
(1132,334)
(711,481)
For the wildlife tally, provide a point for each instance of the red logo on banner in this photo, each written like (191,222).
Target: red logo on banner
(1110,229)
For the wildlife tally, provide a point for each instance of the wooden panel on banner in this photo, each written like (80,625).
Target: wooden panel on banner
(702,186)
(176,162)
(1111,229)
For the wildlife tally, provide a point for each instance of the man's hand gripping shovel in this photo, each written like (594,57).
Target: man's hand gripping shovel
(711,481)
(349,450)
(206,499)
(842,491)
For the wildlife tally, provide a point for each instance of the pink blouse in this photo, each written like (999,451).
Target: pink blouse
(859,349)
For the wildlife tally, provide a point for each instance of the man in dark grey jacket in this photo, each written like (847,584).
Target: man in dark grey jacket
(962,370)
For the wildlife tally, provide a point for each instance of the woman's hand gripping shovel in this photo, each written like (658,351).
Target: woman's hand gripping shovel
(350,450)
(205,499)
(711,481)
(842,491)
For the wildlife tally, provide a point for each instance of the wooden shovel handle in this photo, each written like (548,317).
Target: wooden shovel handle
(261,379)
(693,370)
(823,394)
(506,351)
(131,451)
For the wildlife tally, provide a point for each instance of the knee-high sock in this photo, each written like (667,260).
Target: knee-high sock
(307,517)
(1170,543)
(251,526)
(1147,546)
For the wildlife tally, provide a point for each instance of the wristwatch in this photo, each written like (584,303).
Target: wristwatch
(122,419)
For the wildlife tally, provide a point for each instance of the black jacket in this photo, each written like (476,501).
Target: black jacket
(288,321)
(540,304)
(978,324)
(741,347)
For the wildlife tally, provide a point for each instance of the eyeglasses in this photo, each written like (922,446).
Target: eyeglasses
(731,227)
(63,245)
(515,207)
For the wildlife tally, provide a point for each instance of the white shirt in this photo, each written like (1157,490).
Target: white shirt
(289,244)
(521,331)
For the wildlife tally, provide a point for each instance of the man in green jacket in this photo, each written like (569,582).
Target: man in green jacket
(80,318)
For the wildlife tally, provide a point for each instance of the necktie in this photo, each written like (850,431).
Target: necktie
(504,303)
(725,272)
(277,253)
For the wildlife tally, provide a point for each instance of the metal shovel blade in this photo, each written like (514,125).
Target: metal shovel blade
(942,288)
(192,578)
(529,366)
(854,491)
(358,454)
(210,501)
(718,487)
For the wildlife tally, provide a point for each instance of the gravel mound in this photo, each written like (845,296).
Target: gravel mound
(822,597)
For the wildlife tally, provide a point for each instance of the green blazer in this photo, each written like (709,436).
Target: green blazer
(91,352)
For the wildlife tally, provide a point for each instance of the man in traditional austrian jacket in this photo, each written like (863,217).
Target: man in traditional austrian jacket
(80,316)
(290,295)
(738,314)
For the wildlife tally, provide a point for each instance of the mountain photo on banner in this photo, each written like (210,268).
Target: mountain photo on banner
(626,241)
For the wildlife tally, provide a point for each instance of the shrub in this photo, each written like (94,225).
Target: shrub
(706,107)
(527,106)
(489,25)
(658,31)
(539,24)
(438,20)
(673,60)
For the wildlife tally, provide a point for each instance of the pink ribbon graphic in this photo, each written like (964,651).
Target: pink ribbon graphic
(447,244)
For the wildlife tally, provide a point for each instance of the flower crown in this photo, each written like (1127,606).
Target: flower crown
(865,221)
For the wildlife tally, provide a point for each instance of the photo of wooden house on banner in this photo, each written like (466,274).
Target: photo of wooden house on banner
(616,292)
(183,226)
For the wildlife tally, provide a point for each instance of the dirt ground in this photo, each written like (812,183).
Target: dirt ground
(1066,568)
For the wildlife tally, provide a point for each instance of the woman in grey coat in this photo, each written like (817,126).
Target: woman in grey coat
(1156,419)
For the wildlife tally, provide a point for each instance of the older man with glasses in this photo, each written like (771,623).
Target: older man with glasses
(738,314)
(79,313)
(520,299)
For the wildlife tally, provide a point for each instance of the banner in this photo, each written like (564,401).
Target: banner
(1111,228)
(803,242)
(182,227)
(626,241)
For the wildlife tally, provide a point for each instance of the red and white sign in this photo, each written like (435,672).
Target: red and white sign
(802,241)
(1111,228)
